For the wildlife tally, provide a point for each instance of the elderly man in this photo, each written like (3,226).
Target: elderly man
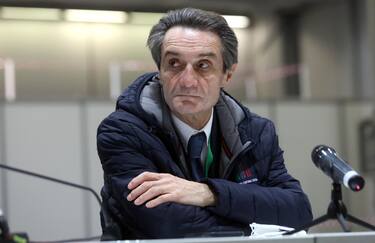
(180,156)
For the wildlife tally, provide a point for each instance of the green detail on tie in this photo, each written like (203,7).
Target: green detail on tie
(19,239)
(209,159)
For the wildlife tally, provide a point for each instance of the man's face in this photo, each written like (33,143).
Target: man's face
(191,71)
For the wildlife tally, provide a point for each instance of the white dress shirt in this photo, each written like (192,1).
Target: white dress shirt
(185,132)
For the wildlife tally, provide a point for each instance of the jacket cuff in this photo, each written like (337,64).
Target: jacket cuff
(222,195)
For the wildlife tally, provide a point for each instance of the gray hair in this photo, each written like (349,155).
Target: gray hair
(196,19)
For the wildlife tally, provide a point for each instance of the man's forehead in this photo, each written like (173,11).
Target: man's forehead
(182,39)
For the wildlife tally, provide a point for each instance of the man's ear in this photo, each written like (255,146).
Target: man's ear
(229,74)
(158,77)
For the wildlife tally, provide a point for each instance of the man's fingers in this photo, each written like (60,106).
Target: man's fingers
(135,193)
(153,192)
(154,189)
(159,200)
(149,181)
(145,176)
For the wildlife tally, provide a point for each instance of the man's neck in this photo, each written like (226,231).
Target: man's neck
(196,121)
(185,131)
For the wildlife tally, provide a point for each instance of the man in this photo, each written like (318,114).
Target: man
(180,156)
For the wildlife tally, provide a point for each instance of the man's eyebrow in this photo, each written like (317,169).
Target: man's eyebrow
(205,54)
(171,53)
(208,54)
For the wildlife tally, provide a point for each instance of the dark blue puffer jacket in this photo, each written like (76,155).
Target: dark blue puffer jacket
(253,184)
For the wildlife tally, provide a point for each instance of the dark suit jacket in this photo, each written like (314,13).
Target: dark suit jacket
(251,181)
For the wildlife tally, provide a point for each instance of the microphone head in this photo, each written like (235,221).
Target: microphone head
(321,151)
(326,159)
(356,183)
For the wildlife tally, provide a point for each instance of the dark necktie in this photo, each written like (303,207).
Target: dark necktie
(195,147)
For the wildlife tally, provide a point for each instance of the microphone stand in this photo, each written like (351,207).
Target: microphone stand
(6,237)
(336,210)
(54,180)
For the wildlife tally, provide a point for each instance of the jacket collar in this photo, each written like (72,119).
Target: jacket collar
(144,98)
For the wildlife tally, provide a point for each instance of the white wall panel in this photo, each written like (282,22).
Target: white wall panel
(96,112)
(326,50)
(362,203)
(301,127)
(45,138)
(266,51)
(2,160)
(260,108)
(51,58)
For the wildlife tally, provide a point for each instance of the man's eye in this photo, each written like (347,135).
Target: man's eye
(203,65)
(173,63)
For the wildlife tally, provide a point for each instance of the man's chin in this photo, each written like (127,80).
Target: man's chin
(187,109)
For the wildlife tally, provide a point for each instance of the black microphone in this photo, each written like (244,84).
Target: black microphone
(6,236)
(325,158)
(4,228)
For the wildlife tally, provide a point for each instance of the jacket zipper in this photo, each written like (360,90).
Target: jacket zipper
(234,160)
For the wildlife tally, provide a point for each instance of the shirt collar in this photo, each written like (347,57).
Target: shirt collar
(185,131)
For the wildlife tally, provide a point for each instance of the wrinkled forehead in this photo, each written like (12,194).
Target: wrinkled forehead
(189,41)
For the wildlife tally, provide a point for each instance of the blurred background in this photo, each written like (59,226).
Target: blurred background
(306,64)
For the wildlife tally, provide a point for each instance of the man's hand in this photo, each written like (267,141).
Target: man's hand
(157,188)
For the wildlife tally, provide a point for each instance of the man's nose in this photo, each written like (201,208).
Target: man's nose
(189,77)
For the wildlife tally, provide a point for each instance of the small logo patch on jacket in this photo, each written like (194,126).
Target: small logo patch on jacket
(249,181)
(246,175)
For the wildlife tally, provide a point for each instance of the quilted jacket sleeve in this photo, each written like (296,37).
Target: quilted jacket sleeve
(122,149)
(276,199)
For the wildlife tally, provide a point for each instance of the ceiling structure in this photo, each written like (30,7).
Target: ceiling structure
(243,7)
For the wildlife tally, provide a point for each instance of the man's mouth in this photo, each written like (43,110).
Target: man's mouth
(188,95)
